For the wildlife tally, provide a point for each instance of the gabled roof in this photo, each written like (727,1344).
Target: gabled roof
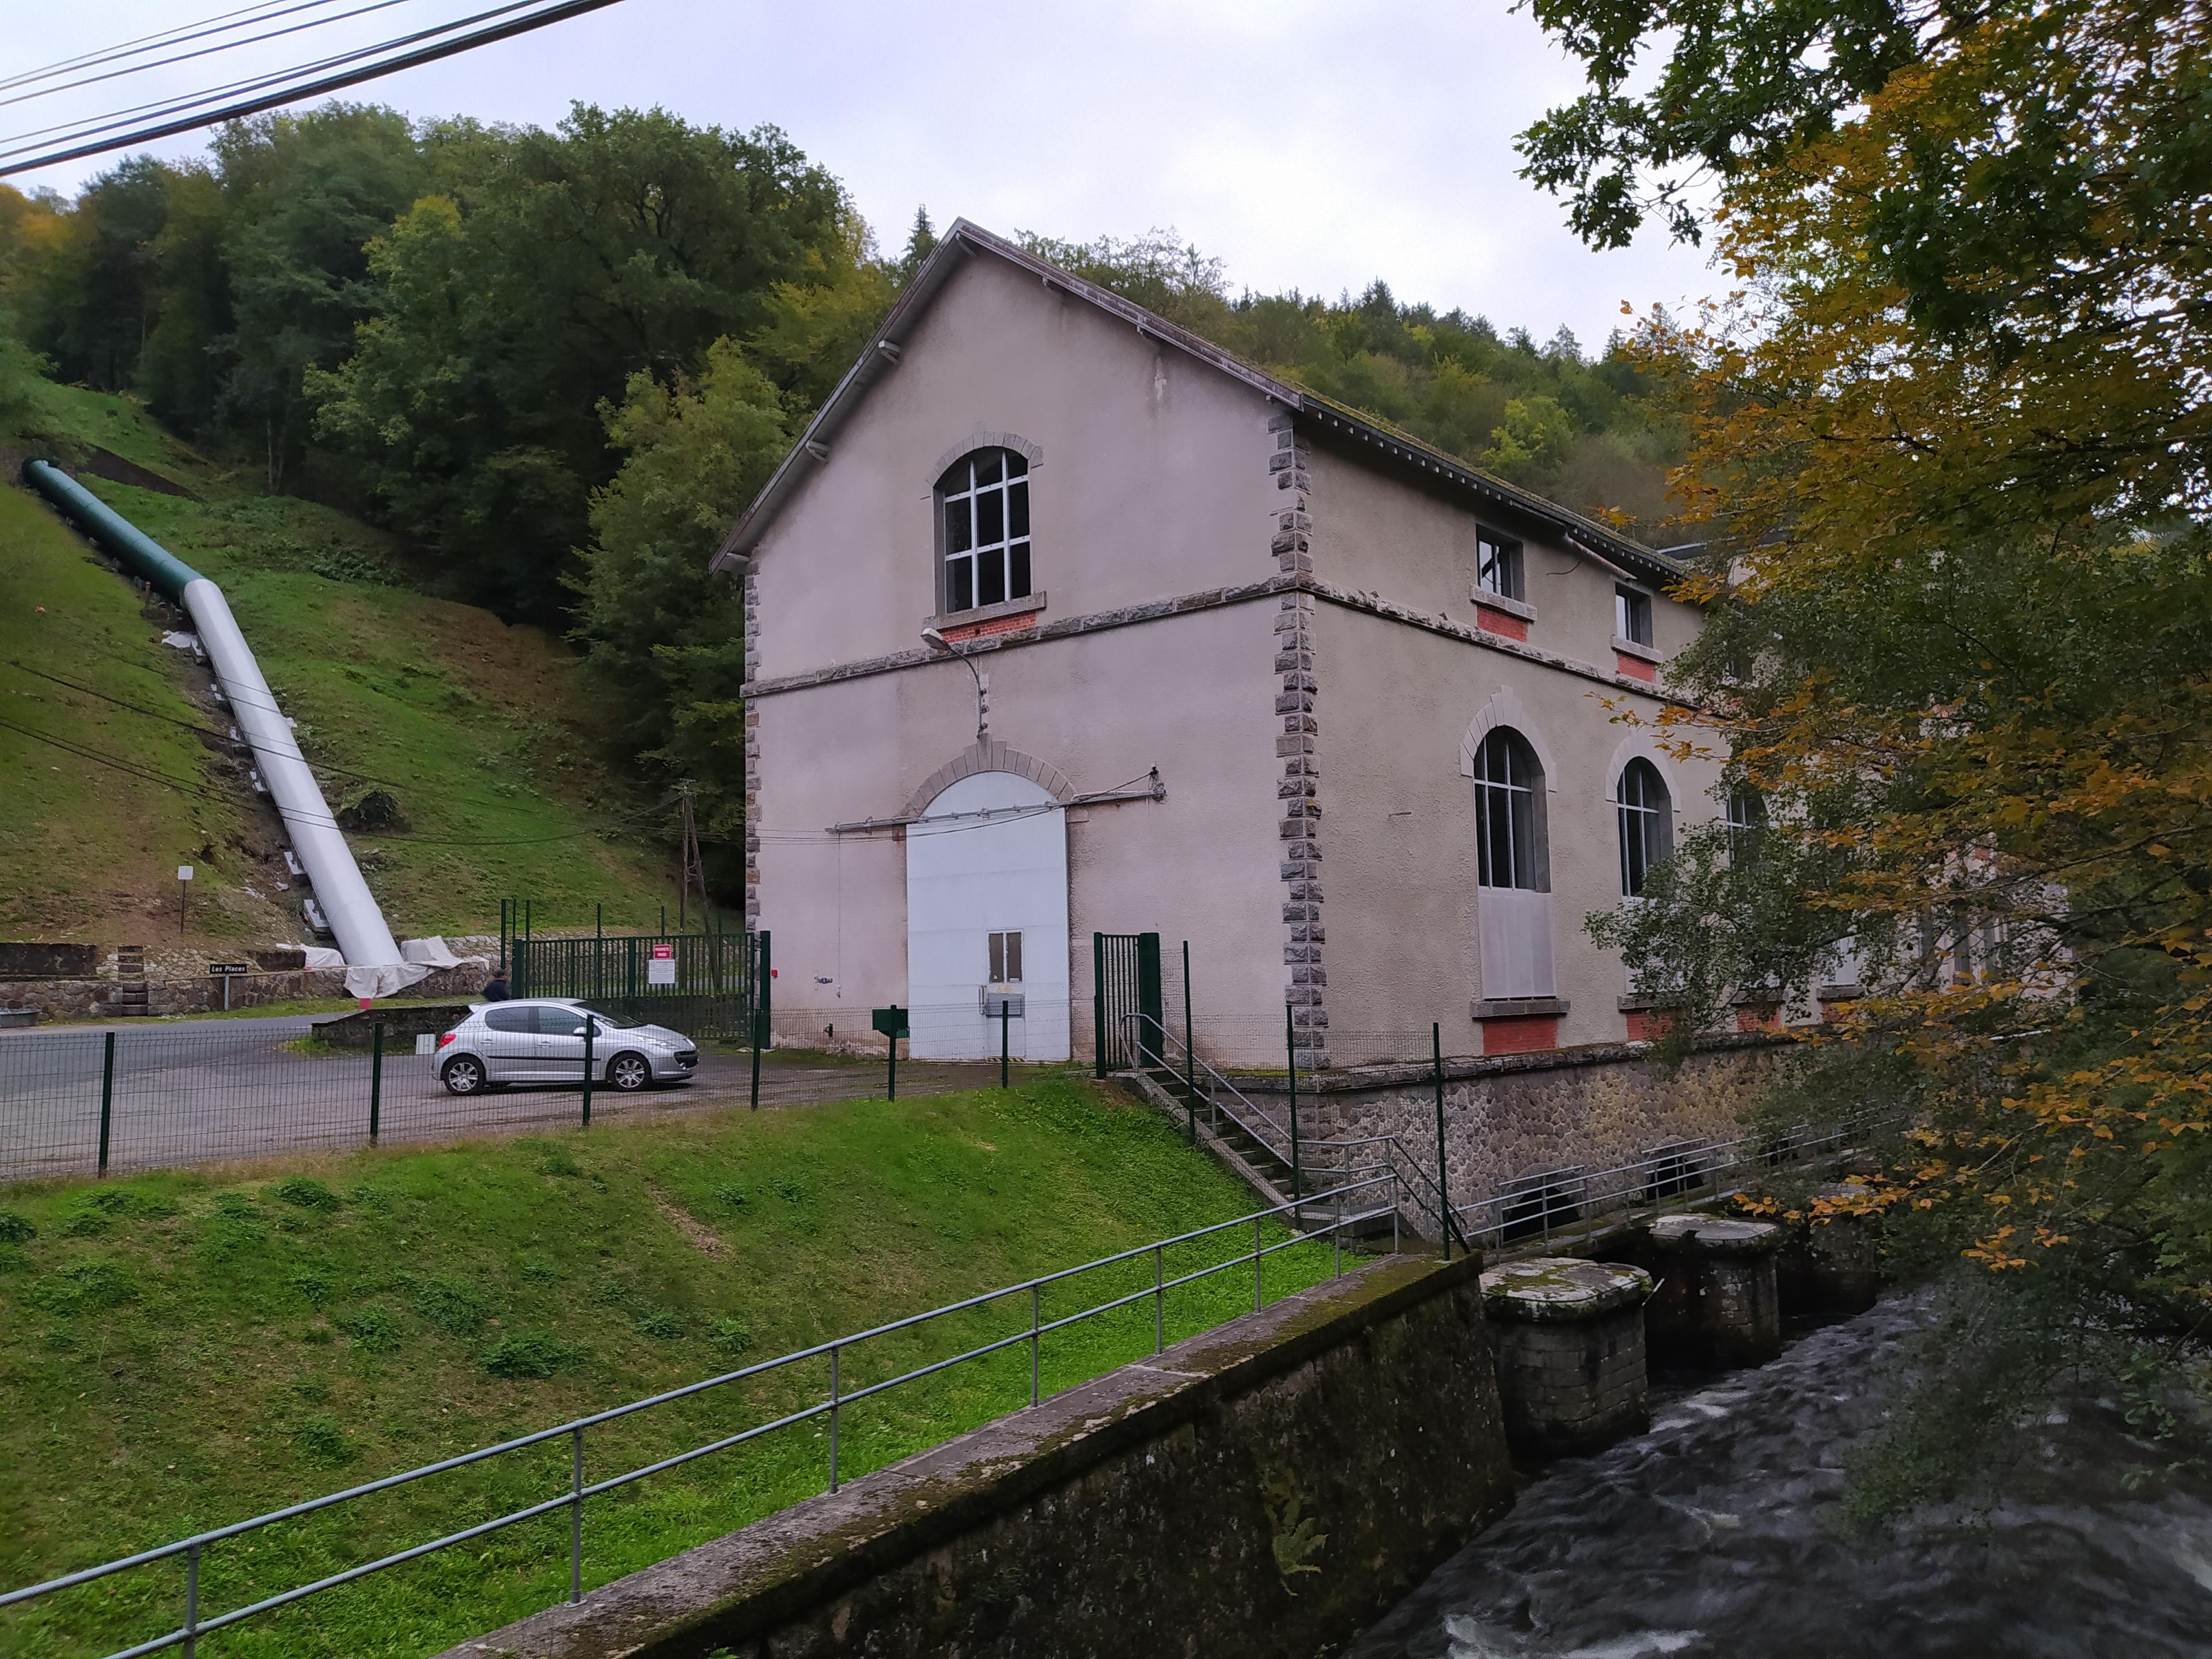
(964,241)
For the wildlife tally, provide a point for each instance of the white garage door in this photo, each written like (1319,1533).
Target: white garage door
(986,912)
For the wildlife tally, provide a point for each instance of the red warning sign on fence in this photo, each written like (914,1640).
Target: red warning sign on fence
(661,970)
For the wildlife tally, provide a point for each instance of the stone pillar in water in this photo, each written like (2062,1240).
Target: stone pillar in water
(1832,1267)
(1716,1304)
(1568,1336)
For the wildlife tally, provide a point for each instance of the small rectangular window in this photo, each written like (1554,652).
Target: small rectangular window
(1005,958)
(1631,615)
(1497,565)
(960,585)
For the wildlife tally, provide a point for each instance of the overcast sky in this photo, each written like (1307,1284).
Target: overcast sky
(1309,145)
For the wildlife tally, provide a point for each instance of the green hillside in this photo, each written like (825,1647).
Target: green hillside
(183,1350)
(477,729)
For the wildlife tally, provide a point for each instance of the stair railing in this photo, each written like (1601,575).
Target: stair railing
(1338,1160)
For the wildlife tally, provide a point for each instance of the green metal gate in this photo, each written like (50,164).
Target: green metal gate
(1125,978)
(714,984)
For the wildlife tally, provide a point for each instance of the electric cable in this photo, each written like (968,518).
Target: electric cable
(73,149)
(209,731)
(116,763)
(259,12)
(204,52)
(165,107)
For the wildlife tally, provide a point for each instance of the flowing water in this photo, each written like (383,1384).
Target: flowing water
(1714,1537)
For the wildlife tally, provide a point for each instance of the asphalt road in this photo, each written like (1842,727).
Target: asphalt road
(221,1091)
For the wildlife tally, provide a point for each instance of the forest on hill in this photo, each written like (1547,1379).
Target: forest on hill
(559,362)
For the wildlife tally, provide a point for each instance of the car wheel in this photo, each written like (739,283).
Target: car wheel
(628,1073)
(464,1074)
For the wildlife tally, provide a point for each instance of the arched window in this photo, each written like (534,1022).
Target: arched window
(983,504)
(1509,813)
(1747,818)
(1647,824)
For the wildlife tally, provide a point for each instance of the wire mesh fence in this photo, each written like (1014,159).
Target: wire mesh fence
(89,1101)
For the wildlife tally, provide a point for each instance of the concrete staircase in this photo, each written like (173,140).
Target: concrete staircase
(1254,1160)
(129,995)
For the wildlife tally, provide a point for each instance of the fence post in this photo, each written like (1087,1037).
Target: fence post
(1036,1321)
(1006,1037)
(375,1080)
(576,1516)
(833,1416)
(106,1099)
(1099,1003)
(1443,1199)
(1290,1058)
(1159,1299)
(1255,1264)
(590,1025)
(892,1044)
(1189,1049)
(753,976)
(192,1600)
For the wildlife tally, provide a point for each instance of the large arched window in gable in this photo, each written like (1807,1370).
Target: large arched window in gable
(983,512)
(1509,820)
(1646,812)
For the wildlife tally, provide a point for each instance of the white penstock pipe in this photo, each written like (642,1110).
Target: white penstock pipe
(363,939)
(373,961)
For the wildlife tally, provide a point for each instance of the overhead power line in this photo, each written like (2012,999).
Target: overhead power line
(247,97)
(218,24)
(204,52)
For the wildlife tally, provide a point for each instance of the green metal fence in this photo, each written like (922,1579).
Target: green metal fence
(711,988)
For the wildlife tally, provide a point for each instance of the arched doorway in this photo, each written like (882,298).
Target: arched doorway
(985,916)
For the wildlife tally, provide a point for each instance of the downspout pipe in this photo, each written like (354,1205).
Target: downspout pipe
(357,922)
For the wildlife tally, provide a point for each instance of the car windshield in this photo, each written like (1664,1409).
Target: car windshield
(613,1021)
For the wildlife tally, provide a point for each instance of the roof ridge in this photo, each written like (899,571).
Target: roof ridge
(964,238)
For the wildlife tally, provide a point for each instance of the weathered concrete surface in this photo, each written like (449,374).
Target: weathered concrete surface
(1569,1340)
(1717,1305)
(1264,1490)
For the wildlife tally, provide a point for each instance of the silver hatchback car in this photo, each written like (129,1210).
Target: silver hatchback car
(541,1040)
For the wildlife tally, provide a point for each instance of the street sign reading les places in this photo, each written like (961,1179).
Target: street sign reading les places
(230,969)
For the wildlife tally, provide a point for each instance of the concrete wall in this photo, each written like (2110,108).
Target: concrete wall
(1267,1489)
(1386,530)
(1399,829)
(1152,477)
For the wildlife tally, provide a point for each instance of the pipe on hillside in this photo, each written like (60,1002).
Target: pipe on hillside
(357,922)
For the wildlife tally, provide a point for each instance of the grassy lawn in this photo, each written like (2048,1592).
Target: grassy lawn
(479,729)
(180,1351)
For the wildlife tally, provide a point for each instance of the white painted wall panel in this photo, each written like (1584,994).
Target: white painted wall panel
(967,877)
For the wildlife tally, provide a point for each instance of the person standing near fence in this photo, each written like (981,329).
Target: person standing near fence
(495,989)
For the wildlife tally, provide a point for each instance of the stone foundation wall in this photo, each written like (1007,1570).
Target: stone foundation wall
(1261,1491)
(177,982)
(1511,1115)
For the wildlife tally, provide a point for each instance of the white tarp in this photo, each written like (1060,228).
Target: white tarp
(321,955)
(386,979)
(435,952)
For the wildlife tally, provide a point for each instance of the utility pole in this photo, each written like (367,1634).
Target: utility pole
(694,867)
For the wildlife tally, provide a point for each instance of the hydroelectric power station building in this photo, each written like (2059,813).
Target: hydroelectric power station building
(1208,656)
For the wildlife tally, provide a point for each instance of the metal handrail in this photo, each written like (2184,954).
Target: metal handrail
(193,1547)
(1298,1150)
(1685,1166)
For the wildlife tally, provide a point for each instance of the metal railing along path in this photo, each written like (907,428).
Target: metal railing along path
(840,1400)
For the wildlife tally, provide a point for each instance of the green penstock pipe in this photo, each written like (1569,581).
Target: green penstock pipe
(141,553)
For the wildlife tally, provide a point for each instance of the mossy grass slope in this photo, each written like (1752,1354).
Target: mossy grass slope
(479,730)
(181,1351)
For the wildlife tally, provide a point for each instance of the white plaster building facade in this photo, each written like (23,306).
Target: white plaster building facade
(1260,674)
